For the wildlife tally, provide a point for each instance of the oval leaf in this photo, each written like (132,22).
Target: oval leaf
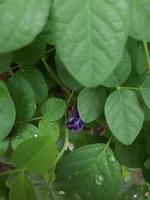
(124,115)
(91,103)
(23,96)
(21,22)
(91,37)
(53,109)
(145,91)
(7,111)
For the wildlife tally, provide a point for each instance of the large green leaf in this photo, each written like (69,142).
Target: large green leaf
(140,20)
(124,115)
(37,82)
(121,72)
(23,96)
(53,109)
(91,103)
(7,111)
(36,155)
(90,37)
(145,91)
(21,21)
(22,188)
(91,172)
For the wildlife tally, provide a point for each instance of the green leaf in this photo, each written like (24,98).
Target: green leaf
(23,96)
(91,172)
(90,38)
(140,23)
(53,109)
(22,188)
(30,54)
(145,91)
(21,21)
(3,147)
(36,155)
(48,128)
(121,72)
(5,62)
(91,103)
(37,82)
(124,115)
(131,156)
(7,111)
(147,163)
(24,133)
(66,77)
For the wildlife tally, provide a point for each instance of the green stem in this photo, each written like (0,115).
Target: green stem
(147,54)
(35,119)
(10,172)
(129,88)
(53,75)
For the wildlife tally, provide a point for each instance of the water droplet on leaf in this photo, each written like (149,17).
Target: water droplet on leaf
(111,159)
(61,193)
(99,179)
(135,196)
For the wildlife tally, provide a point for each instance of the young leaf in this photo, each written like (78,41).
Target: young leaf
(22,188)
(22,21)
(48,128)
(91,37)
(91,103)
(140,23)
(91,172)
(23,96)
(36,155)
(121,72)
(37,82)
(145,91)
(53,109)
(7,111)
(124,115)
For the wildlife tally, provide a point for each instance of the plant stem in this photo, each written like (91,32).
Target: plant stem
(53,75)
(10,172)
(147,54)
(129,88)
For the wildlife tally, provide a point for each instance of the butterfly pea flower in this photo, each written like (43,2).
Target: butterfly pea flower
(75,123)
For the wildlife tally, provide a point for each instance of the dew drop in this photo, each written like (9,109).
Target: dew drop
(61,193)
(99,179)
(135,196)
(35,135)
(111,158)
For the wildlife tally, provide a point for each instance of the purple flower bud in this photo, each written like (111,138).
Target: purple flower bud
(75,123)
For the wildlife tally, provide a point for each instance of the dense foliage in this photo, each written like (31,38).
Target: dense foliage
(75,99)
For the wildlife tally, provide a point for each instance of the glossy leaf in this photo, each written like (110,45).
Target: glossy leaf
(87,172)
(124,115)
(23,96)
(21,21)
(91,103)
(22,188)
(53,109)
(7,111)
(39,155)
(121,72)
(91,37)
